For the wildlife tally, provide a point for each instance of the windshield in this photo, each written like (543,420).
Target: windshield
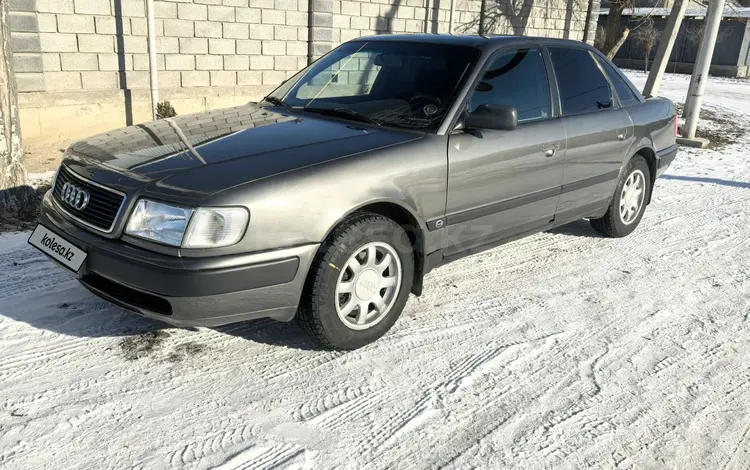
(400,84)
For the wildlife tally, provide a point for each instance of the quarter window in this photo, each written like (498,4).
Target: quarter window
(582,86)
(517,79)
(624,92)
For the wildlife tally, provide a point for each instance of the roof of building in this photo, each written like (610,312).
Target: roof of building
(729,12)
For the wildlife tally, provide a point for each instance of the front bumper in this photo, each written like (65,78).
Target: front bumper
(188,291)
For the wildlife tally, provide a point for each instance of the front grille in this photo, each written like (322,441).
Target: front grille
(128,296)
(104,203)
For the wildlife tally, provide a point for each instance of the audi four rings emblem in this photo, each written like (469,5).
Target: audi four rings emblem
(74,196)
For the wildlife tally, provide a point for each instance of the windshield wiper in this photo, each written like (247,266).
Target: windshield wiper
(343,113)
(277,102)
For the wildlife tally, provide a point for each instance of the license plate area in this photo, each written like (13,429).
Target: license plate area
(57,248)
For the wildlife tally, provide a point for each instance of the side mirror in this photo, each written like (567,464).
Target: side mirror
(492,116)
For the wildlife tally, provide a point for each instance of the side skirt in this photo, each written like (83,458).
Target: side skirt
(443,257)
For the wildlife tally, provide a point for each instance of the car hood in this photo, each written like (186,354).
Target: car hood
(226,147)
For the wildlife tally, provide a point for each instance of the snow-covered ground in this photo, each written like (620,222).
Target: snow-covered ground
(560,350)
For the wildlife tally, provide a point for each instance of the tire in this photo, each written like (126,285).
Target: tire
(353,240)
(614,223)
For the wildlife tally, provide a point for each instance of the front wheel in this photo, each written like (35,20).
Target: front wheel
(629,201)
(359,282)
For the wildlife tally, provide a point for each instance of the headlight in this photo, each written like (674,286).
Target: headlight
(180,226)
(159,222)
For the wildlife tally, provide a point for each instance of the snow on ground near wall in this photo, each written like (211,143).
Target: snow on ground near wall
(560,350)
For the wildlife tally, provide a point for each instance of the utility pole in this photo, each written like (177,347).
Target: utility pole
(15,193)
(152,67)
(664,51)
(702,66)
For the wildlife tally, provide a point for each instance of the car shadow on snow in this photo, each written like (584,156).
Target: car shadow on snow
(273,333)
(579,228)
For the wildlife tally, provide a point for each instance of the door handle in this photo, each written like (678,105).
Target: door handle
(621,135)
(551,149)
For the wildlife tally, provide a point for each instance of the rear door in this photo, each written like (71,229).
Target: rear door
(505,182)
(599,132)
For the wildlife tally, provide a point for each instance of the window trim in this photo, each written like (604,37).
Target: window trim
(505,50)
(599,59)
(615,100)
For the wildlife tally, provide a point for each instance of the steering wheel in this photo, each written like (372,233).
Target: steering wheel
(421,98)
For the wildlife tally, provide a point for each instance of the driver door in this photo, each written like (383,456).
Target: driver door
(503,183)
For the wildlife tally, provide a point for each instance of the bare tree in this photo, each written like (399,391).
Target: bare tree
(15,194)
(614,37)
(647,36)
(694,34)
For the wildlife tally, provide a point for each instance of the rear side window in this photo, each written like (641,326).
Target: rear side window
(624,93)
(518,79)
(582,86)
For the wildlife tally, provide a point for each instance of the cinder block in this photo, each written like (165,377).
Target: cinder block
(31,63)
(55,6)
(288,5)
(262,3)
(75,24)
(115,62)
(23,22)
(296,48)
(22,5)
(249,77)
(167,45)
(136,80)
(259,62)
(351,8)
(398,25)
(236,62)
(361,22)
(274,48)
(180,62)
(322,35)
(248,15)
(248,47)
(285,33)
(196,78)
(296,18)
(221,46)
(188,11)
(303,33)
(207,29)
(25,42)
(107,25)
(93,7)
(96,43)
(132,45)
(62,80)
(220,13)
(285,63)
(179,28)
(209,62)
(30,82)
(165,10)
(169,80)
(261,31)
(223,78)
(405,13)
(51,62)
(54,42)
(207,2)
(370,10)
(193,46)
(235,30)
(273,17)
(273,77)
(133,8)
(341,21)
(140,62)
(78,61)
(348,35)
(99,80)
(235,3)
(46,22)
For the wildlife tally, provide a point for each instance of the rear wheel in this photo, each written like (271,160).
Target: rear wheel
(629,201)
(359,282)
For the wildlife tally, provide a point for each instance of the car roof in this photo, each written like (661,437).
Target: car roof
(476,41)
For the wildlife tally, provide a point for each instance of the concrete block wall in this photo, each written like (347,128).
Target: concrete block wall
(82,65)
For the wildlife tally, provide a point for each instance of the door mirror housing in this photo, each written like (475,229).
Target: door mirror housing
(492,116)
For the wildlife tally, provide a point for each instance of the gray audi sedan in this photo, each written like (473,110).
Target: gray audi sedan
(330,200)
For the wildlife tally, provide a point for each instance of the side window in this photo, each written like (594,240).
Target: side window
(582,86)
(517,79)
(353,75)
(624,93)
